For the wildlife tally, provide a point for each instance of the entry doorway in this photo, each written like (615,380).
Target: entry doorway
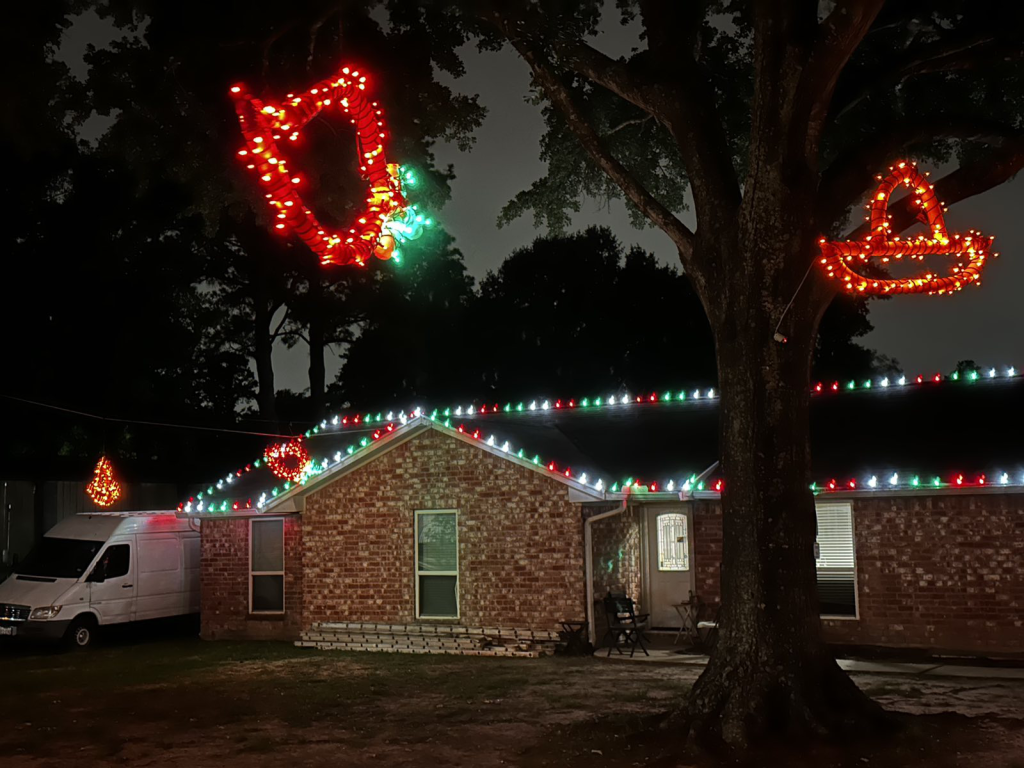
(669,563)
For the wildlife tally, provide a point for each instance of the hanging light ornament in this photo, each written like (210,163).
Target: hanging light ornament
(103,489)
(288,461)
(970,250)
(387,219)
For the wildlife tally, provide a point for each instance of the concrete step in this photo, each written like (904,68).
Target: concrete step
(440,651)
(437,629)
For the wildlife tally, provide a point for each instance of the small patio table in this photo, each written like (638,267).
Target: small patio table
(688,617)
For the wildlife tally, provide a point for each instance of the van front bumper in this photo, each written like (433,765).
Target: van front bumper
(39,630)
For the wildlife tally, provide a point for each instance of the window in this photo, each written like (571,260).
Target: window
(437,565)
(266,566)
(113,563)
(673,544)
(837,583)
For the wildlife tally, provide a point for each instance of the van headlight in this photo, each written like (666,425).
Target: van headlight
(41,614)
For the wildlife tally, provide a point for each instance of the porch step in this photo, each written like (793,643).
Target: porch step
(429,638)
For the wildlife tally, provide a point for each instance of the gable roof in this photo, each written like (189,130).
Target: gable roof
(922,433)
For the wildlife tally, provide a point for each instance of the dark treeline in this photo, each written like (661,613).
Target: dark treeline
(141,278)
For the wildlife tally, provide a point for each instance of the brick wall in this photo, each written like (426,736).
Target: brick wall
(938,572)
(618,546)
(707,550)
(941,573)
(520,539)
(224,590)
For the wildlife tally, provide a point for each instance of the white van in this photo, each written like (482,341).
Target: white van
(91,570)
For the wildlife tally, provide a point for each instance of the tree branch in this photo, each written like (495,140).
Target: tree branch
(280,325)
(837,38)
(615,76)
(562,99)
(849,176)
(966,181)
(959,52)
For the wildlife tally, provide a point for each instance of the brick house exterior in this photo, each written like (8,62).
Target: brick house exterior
(941,573)
(349,555)
(937,567)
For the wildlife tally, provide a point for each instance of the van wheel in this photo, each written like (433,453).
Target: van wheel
(82,632)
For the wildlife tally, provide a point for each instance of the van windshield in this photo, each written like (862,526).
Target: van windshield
(59,558)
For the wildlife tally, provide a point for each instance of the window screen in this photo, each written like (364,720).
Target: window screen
(437,564)
(837,585)
(266,566)
(673,546)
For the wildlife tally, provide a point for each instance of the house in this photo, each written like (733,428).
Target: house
(427,530)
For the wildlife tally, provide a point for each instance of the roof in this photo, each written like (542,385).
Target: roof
(896,435)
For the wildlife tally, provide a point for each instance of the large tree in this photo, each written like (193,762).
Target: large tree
(774,116)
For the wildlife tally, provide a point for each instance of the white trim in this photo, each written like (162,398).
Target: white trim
(416,563)
(280,573)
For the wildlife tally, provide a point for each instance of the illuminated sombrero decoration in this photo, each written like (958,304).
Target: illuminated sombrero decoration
(387,218)
(970,250)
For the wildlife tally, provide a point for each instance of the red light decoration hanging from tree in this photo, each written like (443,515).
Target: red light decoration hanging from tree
(288,461)
(264,124)
(971,250)
(103,489)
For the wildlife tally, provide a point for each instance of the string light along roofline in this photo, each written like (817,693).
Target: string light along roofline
(700,396)
(891,481)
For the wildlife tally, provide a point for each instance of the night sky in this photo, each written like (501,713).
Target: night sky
(926,334)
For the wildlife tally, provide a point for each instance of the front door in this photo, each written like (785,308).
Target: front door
(112,583)
(668,563)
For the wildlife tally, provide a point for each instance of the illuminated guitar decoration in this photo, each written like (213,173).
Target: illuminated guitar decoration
(839,258)
(387,218)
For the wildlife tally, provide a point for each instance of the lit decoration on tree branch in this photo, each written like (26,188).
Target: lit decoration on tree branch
(103,489)
(839,258)
(289,461)
(386,220)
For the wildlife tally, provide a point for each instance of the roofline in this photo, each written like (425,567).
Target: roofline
(877,493)
(292,501)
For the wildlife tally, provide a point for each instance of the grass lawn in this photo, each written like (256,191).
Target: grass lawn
(183,702)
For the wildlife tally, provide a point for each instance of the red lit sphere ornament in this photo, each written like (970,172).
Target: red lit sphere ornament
(386,214)
(839,258)
(103,489)
(288,461)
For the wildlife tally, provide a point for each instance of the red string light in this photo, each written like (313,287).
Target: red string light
(103,489)
(264,124)
(971,250)
(288,461)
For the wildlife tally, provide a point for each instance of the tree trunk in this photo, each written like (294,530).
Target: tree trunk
(263,350)
(770,674)
(317,369)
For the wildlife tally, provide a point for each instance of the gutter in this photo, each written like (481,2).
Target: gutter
(588,549)
(690,494)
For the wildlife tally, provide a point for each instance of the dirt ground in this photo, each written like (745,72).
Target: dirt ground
(193,704)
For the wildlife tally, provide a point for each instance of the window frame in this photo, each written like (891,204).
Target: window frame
(252,573)
(853,550)
(103,553)
(417,573)
(685,542)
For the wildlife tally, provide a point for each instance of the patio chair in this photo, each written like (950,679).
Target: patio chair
(707,626)
(625,626)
